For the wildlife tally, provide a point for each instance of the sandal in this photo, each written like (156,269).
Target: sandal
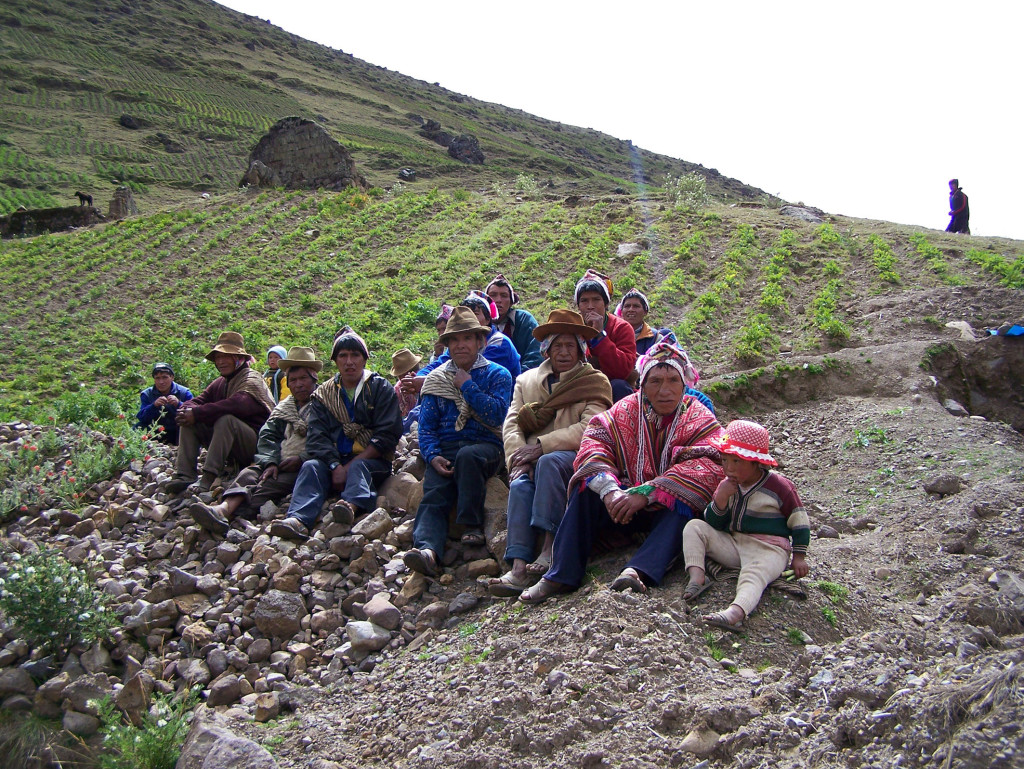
(474,538)
(507,586)
(692,591)
(540,566)
(543,590)
(421,561)
(629,579)
(718,620)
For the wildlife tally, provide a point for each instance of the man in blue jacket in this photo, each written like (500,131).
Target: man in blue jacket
(463,407)
(515,323)
(160,402)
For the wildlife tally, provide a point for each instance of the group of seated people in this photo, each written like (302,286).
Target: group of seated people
(598,442)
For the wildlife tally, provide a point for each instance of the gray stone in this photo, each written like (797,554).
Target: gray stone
(225,691)
(259,650)
(495,516)
(943,485)
(193,672)
(80,724)
(955,408)
(148,616)
(211,745)
(803,213)
(16,681)
(297,153)
(375,525)
(629,249)
(326,621)
(827,532)
(380,611)
(267,706)
(279,614)
(701,742)
(367,637)
(403,490)
(462,603)
(96,659)
(432,616)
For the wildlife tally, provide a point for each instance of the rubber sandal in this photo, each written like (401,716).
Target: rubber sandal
(474,538)
(540,566)
(629,579)
(421,561)
(718,620)
(693,591)
(543,590)
(507,586)
(208,518)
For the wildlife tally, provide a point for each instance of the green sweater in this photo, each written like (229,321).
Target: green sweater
(771,506)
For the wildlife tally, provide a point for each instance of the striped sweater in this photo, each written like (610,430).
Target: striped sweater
(771,506)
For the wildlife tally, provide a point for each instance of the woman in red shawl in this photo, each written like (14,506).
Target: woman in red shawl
(647,464)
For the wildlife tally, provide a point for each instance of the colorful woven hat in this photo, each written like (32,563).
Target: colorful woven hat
(477,298)
(348,336)
(668,354)
(446,312)
(746,440)
(593,280)
(501,280)
(633,293)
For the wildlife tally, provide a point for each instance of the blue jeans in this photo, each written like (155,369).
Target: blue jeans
(537,504)
(473,463)
(586,515)
(314,484)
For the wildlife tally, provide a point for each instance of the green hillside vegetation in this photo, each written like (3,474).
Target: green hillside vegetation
(93,308)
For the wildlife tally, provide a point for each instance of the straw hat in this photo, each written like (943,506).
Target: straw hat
(302,357)
(565,322)
(229,342)
(746,440)
(404,361)
(463,319)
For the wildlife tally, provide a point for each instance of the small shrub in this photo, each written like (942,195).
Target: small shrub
(830,615)
(156,743)
(836,593)
(52,603)
(526,185)
(795,636)
(688,192)
(884,260)
(827,234)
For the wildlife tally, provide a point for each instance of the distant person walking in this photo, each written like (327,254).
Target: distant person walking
(959,211)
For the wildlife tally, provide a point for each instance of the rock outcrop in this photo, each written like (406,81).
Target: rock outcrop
(122,205)
(298,153)
(38,221)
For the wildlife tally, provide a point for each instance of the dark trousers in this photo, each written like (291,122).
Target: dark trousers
(473,463)
(586,515)
(314,484)
(256,492)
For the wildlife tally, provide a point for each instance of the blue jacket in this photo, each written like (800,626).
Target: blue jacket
(148,413)
(489,393)
(519,328)
(499,350)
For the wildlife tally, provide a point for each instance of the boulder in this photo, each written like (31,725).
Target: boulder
(495,516)
(380,611)
(211,745)
(80,724)
(803,213)
(81,693)
(400,488)
(466,149)
(224,691)
(122,205)
(297,153)
(279,614)
(16,681)
(375,525)
(367,637)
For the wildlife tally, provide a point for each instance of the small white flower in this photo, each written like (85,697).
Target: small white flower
(30,569)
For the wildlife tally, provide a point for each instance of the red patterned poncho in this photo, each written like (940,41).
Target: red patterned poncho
(638,447)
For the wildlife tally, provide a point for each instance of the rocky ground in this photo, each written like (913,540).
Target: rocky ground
(902,647)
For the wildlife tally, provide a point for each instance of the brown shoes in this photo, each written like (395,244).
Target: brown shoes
(289,528)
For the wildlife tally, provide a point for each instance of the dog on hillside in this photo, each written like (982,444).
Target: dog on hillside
(83,199)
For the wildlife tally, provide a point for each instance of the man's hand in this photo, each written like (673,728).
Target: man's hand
(290,465)
(799,566)
(594,319)
(163,400)
(338,477)
(438,348)
(442,467)
(411,385)
(185,417)
(525,456)
(270,472)
(461,377)
(726,489)
(172,400)
(622,506)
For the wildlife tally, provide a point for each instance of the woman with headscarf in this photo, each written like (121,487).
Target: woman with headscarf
(648,464)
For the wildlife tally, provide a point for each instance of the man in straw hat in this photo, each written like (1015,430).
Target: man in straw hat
(551,407)
(354,426)
(648,464)
(225,418)
(463,406)
(159,404)
(280,448)
(514,322)
(613,350)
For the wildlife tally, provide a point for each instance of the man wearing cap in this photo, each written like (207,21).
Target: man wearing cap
(354,425)
(225,418)
(463,406)
(551,407)
(613,350)
(404,363)
(634,309)
(280,449)
(159,404)
(274,375)
(515,323)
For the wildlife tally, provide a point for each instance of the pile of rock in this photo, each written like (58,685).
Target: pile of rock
(246,616)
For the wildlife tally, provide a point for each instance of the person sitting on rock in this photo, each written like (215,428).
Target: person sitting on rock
(354,426)
(158,405)
(755,522)
(225,418)
(514,322)
(551,407)
(634,308)
(274,376)
(462,407)
(613,350)
(439,325)
(280,449)
(648,464)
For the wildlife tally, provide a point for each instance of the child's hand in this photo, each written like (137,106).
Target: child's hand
(726,489)
(799,566)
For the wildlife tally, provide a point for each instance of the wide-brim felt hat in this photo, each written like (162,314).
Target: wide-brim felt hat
(404,361)
(229,342)
(463,319)
(301,357)
(746,440)
(565,322)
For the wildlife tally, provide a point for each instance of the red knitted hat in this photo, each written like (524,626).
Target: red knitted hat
(746,440)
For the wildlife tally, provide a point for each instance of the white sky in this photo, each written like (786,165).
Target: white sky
(865,109)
